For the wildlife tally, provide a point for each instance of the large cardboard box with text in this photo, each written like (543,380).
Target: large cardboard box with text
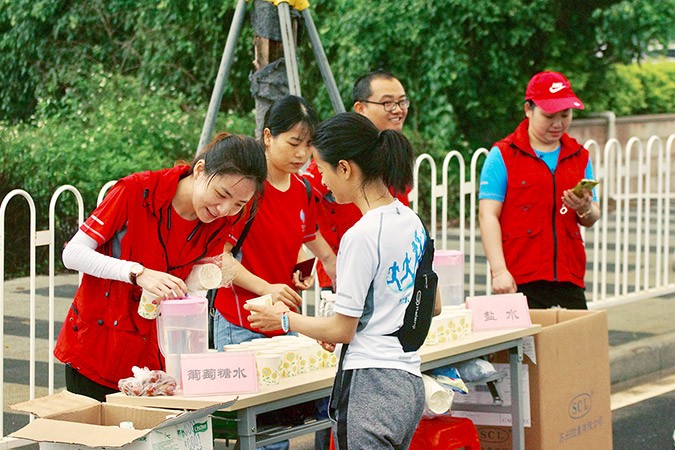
(569,385)
(68,421)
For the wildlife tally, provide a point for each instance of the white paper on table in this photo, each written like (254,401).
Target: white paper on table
(528,348)
(480,395)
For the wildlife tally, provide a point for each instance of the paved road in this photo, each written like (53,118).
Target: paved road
(648,423)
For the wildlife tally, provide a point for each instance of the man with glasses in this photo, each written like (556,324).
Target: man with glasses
(381,97)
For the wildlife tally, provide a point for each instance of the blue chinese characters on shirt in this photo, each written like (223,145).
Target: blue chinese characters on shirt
(401,274)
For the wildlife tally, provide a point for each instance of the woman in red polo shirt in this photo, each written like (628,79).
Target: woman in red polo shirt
(285,220)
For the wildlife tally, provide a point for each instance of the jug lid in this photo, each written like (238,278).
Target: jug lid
(448,257)
(183,306)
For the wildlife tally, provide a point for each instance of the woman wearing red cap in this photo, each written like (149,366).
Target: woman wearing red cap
(529,217)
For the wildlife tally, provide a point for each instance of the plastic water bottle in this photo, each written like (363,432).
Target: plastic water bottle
(449,265)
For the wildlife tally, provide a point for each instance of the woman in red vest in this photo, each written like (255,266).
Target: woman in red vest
(147,234)
(529,217)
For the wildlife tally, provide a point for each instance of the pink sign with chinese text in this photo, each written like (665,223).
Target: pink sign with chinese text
(218,373)
(495,312)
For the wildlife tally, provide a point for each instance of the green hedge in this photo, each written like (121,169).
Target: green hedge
(647,88)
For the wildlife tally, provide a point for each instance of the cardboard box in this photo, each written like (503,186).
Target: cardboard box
(569,385)
(70,421)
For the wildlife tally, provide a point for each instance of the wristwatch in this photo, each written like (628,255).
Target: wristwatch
(135,272)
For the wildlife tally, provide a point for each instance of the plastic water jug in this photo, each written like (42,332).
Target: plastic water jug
(449,265)
(182,327)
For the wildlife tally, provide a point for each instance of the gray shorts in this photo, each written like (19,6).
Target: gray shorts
(378,409)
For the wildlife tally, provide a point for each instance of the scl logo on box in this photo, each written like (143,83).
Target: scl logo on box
(580,406)
(494,435)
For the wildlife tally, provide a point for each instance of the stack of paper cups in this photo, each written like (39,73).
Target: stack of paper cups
(436,399)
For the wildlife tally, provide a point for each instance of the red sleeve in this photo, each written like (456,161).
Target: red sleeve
(109,217)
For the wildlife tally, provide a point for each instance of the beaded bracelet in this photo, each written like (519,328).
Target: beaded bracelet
(285,324)
(590,210)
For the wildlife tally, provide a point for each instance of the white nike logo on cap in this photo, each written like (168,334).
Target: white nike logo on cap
(556,87)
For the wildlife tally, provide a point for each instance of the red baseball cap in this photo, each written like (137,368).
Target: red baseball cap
(552,92)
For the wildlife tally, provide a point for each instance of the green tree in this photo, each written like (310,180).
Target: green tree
(47,45)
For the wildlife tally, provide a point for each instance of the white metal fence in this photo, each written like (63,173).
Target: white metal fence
(629,249)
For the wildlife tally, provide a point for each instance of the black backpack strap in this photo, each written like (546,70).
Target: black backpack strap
(336,391)
(308,188)
(426,232)
(211,293)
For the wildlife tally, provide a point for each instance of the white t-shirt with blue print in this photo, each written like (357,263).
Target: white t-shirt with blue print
(493,176)
(376,266)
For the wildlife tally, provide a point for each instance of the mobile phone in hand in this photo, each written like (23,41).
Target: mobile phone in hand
(584,185)
(305,267)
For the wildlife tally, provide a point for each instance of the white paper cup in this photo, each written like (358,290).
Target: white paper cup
(316,356)
(236,348)
(148,307)
(305,351)
(436,398)
(267,364)
(328,359)
(262,300)
(286,338)
(289,359)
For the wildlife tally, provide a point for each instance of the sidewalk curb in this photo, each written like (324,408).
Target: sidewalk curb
(639,359)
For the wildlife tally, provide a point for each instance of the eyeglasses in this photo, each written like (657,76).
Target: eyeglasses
(390,105)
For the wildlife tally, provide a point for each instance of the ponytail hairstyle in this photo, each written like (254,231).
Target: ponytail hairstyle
(287,112)
(229,154)
(381,155)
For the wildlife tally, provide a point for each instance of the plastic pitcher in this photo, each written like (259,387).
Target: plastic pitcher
(182,327)
(449,265)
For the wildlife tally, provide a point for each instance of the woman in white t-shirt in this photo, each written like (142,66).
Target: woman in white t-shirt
(378,396)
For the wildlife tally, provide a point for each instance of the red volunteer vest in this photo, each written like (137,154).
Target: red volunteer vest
(539,242)
(103,336)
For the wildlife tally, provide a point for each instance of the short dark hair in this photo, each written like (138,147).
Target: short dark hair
(362,89)
(287,112)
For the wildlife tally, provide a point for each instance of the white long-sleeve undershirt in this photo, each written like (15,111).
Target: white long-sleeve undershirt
(80,254)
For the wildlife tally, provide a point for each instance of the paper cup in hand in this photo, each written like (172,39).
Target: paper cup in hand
(148,307)
(204,277)
(436,399)
(264,300)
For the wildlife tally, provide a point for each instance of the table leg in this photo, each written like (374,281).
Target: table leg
(517,413)
(246,429)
